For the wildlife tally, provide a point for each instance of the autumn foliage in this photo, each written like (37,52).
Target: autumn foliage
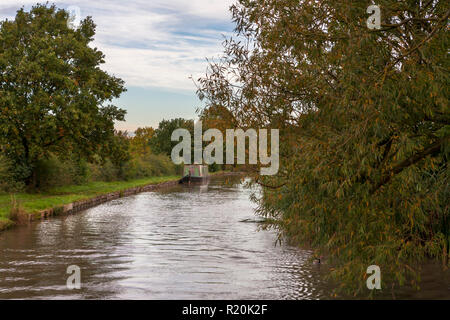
(364,120)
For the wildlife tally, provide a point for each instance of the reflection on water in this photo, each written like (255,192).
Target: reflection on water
(179,243)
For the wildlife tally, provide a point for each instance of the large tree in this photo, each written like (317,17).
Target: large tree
(365,125)
(54,97)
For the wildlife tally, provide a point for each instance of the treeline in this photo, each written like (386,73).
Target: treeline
(131,159)
(364,127)
(141,154)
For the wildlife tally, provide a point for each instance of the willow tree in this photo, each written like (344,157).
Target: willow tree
(54,97)
(364,119)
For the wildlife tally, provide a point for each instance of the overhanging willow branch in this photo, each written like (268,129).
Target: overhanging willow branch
(431,150)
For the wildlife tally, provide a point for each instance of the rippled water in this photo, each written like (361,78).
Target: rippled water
(179,243)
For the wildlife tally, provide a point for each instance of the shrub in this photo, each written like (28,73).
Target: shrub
(7,181)
(148,166)
(55,172)
(108,172)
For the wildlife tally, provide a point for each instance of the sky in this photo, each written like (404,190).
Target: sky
(155,46)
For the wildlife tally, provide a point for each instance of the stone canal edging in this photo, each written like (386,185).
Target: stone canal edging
(93,202)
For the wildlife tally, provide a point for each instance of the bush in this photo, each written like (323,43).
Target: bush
(54,172)
(7,181)
(82,172)
(108,172)
(149,166)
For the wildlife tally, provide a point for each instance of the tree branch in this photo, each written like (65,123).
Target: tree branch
(269,186)
(431,150)
(391,65)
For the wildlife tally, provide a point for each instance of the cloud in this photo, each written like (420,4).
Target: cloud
(152,43)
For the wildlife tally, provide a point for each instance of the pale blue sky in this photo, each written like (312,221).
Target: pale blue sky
(155,46)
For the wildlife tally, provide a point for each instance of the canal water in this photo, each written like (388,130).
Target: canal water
(196,242)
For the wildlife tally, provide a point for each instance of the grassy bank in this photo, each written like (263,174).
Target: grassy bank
(56,197)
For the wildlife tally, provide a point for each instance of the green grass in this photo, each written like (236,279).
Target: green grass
(56,197)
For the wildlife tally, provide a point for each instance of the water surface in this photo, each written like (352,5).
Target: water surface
(177,243)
